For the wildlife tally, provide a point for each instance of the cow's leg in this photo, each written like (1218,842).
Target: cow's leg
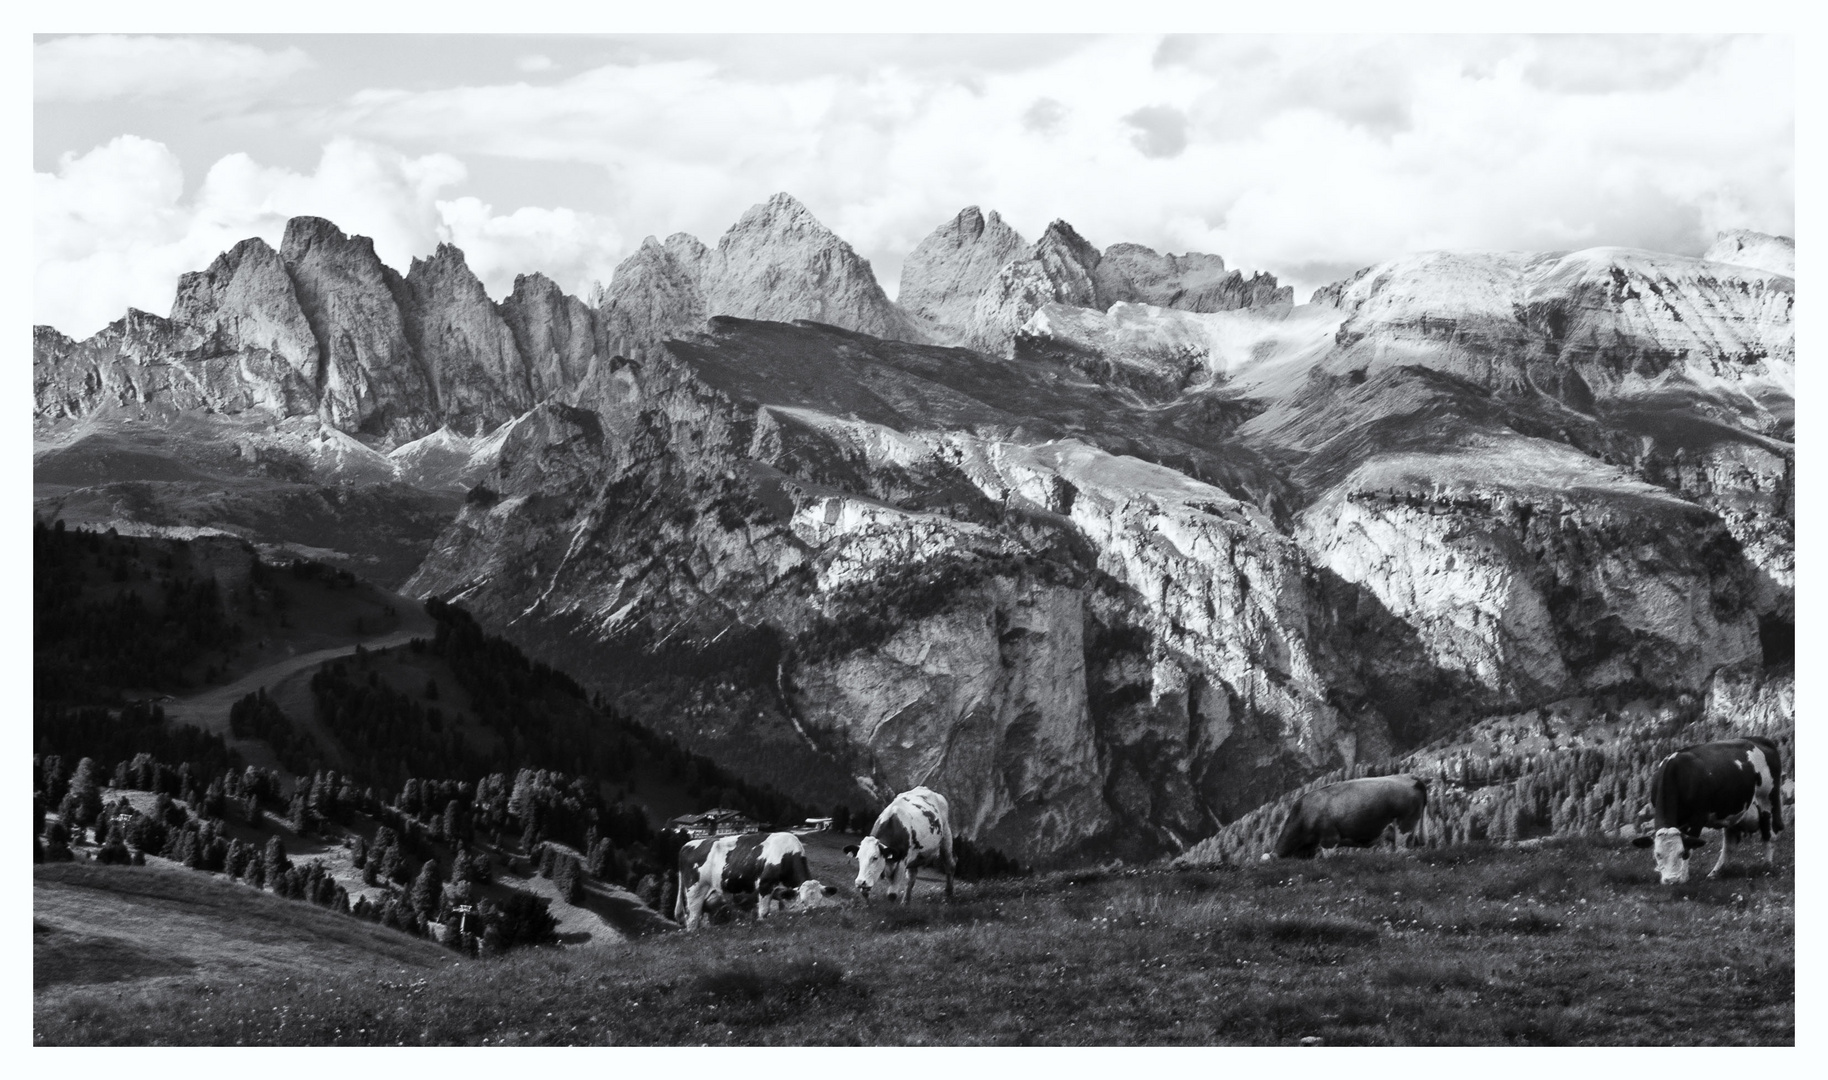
(912,874)
(695,904)
(1721,861)
(1764,835)
(679,901)
(949,864)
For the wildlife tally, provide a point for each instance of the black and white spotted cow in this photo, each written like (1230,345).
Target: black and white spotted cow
(766,868)
(1353,813)
(913,831)
(1731,786)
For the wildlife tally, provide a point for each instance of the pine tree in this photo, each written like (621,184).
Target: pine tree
(427,890)
(274,860)
(359,855)
(85,789)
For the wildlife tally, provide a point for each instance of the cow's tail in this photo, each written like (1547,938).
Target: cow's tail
(1777,788)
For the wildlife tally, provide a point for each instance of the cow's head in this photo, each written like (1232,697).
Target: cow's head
(877,867)
(1671,849)
(810,895)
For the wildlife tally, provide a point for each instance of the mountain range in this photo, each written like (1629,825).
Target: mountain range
(1110,546)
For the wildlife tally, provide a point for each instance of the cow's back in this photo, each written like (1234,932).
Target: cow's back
(1714,781)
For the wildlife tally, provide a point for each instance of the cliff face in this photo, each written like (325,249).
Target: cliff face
(1124,572)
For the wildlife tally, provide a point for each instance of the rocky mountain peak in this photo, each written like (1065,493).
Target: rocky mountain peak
(689,252)
(780,263)
(465,347)
(944,275)
(369,377)
(245,300)
(555,334)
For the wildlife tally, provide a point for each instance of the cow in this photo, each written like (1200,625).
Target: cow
(913,831)
(1726,785)
(1354,813)
(755,865)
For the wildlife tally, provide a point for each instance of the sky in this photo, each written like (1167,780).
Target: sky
(1307,156)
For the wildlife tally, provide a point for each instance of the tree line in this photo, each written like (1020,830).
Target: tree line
(1507,796)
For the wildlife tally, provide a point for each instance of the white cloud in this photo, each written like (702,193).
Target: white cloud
(1306,156)
(1295,153)
(535,62)
(100,67)
(114,229)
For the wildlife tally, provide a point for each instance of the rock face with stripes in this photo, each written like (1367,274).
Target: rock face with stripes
(1731,787)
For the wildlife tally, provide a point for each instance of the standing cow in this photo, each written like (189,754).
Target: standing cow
(1354,813)
(1729,785)
(771,867)
(913,831)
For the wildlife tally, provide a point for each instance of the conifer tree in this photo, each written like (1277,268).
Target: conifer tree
(274,859)
(85,790)
(427,890)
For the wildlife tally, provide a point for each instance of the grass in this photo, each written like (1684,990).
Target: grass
(1570,943)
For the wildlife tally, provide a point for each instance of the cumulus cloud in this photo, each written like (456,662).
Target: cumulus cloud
(1161,131)
(101,67)
(535,62)
(1299,155)
(114,227)
(1276,152)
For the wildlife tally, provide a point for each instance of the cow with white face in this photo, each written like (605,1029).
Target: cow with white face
(1730,786)
(913,831)
(765,867)
(810,896)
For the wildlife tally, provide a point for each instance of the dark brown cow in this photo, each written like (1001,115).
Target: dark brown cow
(1353,813)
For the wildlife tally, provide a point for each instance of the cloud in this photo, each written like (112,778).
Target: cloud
(1044,116)
(114,229)
(102,67)
(534,63)
(1161,131)
(1299,155)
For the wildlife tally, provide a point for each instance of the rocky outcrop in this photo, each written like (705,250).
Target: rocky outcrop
(554,334)
(1133,274)
(944,275)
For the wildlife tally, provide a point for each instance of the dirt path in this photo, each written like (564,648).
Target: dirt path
(209,710)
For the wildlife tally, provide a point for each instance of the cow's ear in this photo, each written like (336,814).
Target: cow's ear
(851,850)
(891,856)
(831,890)
(781,892)
(1642,841)
(1691,842)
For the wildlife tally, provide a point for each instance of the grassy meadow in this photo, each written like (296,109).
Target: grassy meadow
(1565,942)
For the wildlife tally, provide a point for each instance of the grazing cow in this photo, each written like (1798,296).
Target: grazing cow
(914,830)
(738,868)
(1727,785)
(811,894)
(1354,813)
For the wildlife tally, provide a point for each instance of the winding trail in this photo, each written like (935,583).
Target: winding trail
(210,709)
